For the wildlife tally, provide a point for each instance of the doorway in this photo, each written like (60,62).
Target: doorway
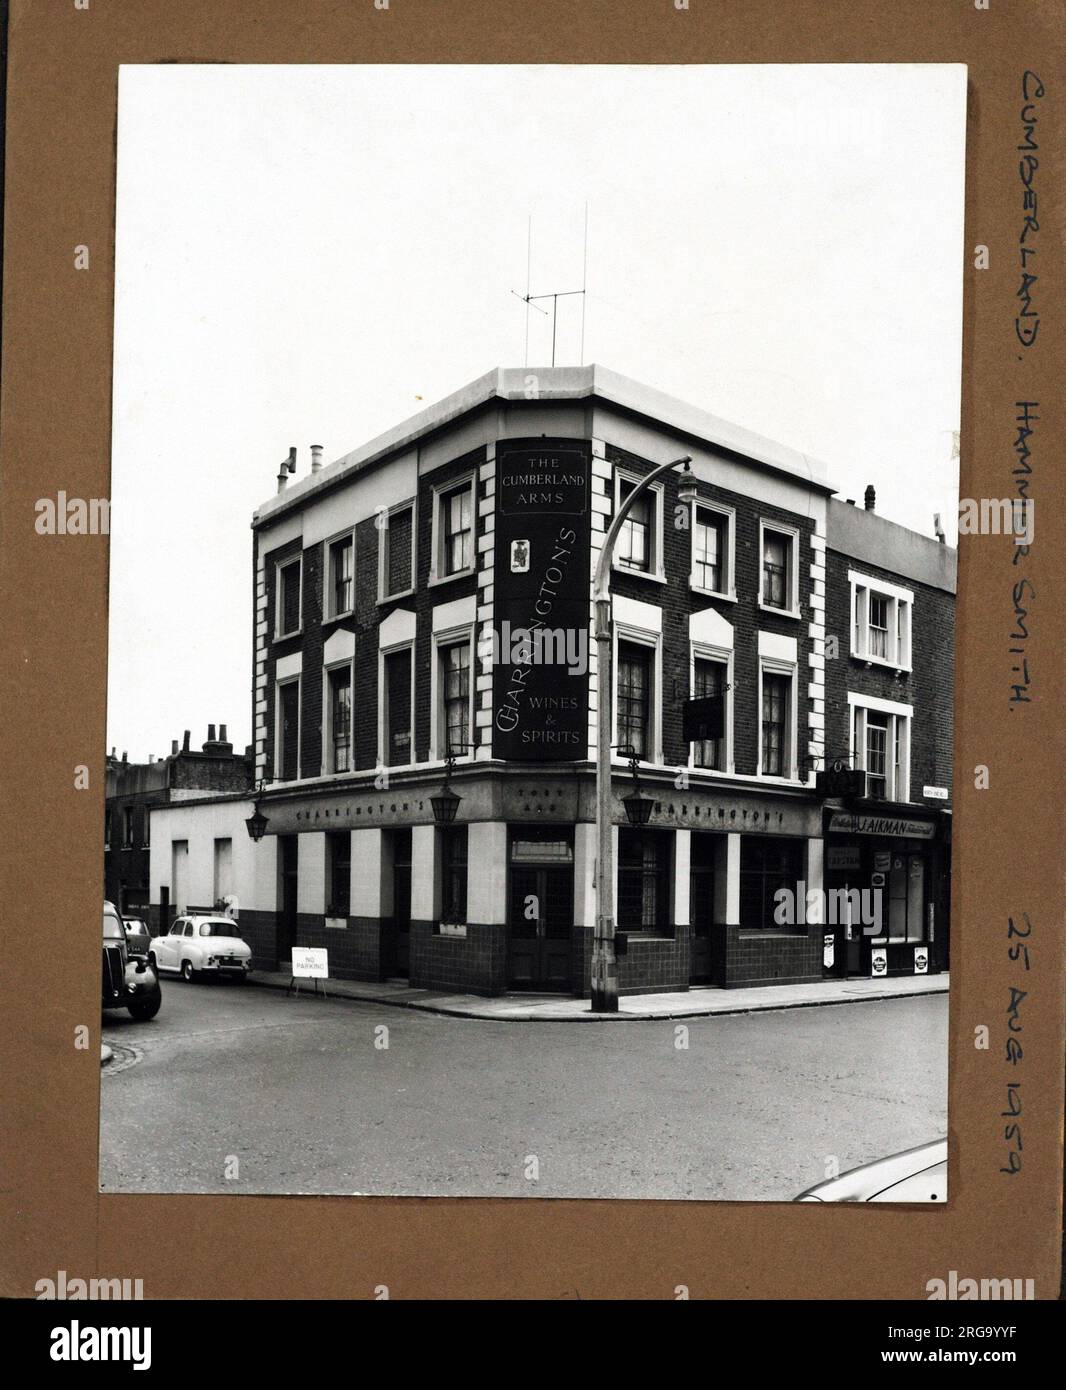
(540,909)
(701,907)
(398,950)
(288,880)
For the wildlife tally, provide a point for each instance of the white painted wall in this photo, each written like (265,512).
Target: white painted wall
(423,873)
(252,867)
(345,508)
(311,872)
(486,891)
(369,878)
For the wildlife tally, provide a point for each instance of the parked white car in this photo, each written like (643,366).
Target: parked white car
(208,945)
(915,1175)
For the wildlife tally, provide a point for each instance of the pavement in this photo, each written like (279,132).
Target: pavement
(236,1090)
(691,1003)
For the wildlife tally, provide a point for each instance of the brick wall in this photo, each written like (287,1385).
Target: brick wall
(425,599)
(474,964)
(678,601)
(929,686)
(771,958)
(275,650)
(651,965)
(354,951)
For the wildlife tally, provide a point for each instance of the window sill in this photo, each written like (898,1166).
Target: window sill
(435,580)
(451,931)
(903,669)
(337,617)
(792,613)
(712,593)
(286,636)
(654,576)
(774,933)
(403,593)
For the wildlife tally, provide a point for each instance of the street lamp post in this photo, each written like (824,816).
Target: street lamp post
(604,966)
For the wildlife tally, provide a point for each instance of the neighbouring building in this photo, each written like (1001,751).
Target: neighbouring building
(389,587)
(136,791)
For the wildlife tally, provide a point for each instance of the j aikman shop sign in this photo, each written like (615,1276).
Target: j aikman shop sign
(541,601)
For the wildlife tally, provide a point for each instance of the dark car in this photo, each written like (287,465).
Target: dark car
(129,981)
(137,935)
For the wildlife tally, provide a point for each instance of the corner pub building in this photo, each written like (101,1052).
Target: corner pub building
(387,587)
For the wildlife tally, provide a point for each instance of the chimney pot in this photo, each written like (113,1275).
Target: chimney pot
(870,497)
(316,457)
(123,755)
(288,466)
(185,741)
(210,733)
(222,733)
(173,746)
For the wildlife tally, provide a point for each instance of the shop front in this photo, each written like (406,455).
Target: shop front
(503,897)
(886,891)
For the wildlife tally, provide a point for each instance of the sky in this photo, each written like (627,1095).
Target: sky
(313,254)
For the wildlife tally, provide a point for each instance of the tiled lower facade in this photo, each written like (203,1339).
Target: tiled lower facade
(506,902)
(492,906)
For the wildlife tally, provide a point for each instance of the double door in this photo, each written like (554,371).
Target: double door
(541,914)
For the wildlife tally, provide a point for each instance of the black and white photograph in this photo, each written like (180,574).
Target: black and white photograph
(531,706)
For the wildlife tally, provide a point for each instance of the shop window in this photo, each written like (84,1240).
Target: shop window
(905,895)
(340,719)
(634,688)
(880,743)
(397,750)
(339,873)
(287,614)
(776,725)
(644,881)
(453,846)
(341,577)
(779,589)
(709,679)
(768,864)
(397,540)
(881,622)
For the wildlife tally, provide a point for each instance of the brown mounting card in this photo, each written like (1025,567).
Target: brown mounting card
(56,423)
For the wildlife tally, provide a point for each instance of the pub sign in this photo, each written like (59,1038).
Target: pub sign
(541,601)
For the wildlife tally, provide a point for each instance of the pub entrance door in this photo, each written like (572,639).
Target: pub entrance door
(287,888)
(540,909)
(398,953)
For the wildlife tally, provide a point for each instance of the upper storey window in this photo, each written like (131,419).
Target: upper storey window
(880,621)
(287,611)
(453,531)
